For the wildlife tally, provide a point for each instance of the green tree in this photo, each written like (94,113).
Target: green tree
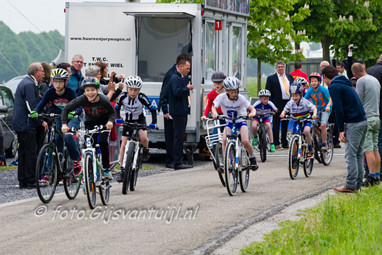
(336,24)
(271,31)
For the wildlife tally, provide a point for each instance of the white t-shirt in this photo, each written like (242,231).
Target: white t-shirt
(232,109)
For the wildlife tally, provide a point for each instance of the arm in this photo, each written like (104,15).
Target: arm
(42,103)
(146,102)
(214,112)
(74,104)
(208,106)
(252,111)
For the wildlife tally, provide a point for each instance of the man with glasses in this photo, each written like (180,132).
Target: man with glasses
(76,78)
(278,84)
(26,99)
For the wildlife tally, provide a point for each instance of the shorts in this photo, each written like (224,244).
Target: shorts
(371,138)
(300,126)
(238,125)
(265,119)
(127,131)
(323,117)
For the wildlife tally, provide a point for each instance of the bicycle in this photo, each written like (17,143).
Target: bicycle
(91,163)
(215,140)
(298,150)
(53,166)
(324,157)
(263,139)
(133,157)
(236,160)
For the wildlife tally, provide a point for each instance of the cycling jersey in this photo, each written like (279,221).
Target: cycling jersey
(264,109)
(58,101)
(232,108)
(134,107)
(300,110)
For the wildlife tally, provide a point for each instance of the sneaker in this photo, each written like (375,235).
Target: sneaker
(310,150)
(273,148)
(254,165)
(45,180)
(77,167)
(145,155)
(120,175)
(107,174)
(254,141)
(324,148)
(369,181)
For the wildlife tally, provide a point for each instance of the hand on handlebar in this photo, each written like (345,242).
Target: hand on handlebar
(109,125)
(152,126)
(33,114)
(119,122)
(64,128)
(282,116)
(215,116)
(72,114)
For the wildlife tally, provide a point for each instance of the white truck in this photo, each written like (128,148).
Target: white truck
(145,39)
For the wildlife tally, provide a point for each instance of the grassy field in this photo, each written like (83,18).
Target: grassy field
(252,85)
(342,224)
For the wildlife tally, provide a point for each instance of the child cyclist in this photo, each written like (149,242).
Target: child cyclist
(299,107)
(59,95)
(217,79)
(98,111)
(263,106)
(319,96)
(234,105)
(133,102)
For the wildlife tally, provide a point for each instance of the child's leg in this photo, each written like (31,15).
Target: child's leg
(270,132)
(254,127)
(122,150)
(307,135)
(144,140)
(227,130)
(104,145)
(323,133)
(245,140)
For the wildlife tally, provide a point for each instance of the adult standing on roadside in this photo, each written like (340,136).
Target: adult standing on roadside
(163,107)
(297,71)
(322,66)
(352,124)
(376,71)
(368,89)
(278,84)
(26,99)
(76,78)
(179,87)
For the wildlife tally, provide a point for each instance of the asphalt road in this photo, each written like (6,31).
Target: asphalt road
(177,212)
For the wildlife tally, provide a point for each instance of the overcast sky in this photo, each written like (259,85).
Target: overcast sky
(46,15)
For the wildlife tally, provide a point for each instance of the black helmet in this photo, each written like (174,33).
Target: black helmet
(218,76)
(90,82)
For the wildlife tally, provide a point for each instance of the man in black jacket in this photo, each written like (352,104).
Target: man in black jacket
(163,106)
(26,99)
(179,88)
(278,84)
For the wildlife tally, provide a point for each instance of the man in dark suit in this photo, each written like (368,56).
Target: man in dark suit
(278,84)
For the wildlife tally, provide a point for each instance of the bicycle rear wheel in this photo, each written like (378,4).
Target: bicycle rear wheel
(327,156)
(244,173)
(220,161)
(230,171)
(104,192)
(72,184)
(309,161)
(263,144)
(90,185)
(128,167)
(293,158)
(46,173)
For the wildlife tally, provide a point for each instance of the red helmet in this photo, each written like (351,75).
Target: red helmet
(314,74)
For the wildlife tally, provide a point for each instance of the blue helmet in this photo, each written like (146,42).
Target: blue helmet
(296,87)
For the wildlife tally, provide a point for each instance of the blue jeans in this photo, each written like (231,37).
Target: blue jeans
(70,144)
(355,136)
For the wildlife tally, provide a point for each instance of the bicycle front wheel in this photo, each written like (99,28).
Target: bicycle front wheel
(72,184)
(133,179)
(293,158)
(46,173)
(104,192)
(327,156)
(230,171)
(244,174)
(128,167)
(263,144)
(219,161)
(90,185)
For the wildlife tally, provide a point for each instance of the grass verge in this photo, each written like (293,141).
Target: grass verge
(342,224)
(8,168)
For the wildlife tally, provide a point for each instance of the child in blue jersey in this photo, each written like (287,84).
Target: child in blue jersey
(299,107)
(59,95)
(263,106)
(319,96)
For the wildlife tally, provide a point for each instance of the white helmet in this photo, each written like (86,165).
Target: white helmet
(134,81)
(231,83)
(264,93)
(301,80)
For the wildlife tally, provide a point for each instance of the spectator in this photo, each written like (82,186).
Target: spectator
(352,124)
(235,71)
(350,62)
(76,77)
(376,71)
(94,71)
(297,71)
(368,89)
(340,66)
(44,85)
(322,66)
(26,98)
(278,84)
(163,107)
(179,88)
(112,81)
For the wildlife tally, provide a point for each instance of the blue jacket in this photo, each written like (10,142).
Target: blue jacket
(75,81)
(346,103)
(27,94)
(178,95)
(163,98)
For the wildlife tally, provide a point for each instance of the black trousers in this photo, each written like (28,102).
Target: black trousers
(169,140)
(103,140)
(276,127)
(27,153)
(179,126)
